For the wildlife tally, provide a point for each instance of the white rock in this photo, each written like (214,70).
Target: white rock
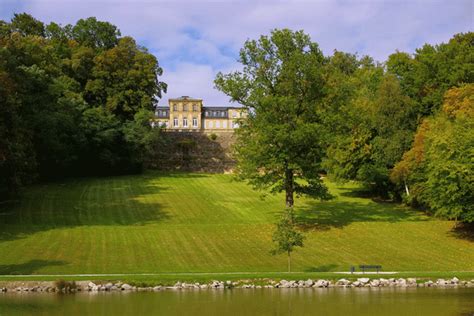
(343,282)
(441,282)
(375,282)
(126,287)
(454,280)
(309,282)
(363,280)
(321,283)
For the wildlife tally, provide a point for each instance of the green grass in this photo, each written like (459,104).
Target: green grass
(185,223)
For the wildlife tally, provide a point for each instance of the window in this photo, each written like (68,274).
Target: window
(207,113)
(223,114)
(185,122)
(224,124)
(175,122)
(195,122)
(185,108)
(234,114)
(210,124)
(218,124)
(195,107)
(175,107)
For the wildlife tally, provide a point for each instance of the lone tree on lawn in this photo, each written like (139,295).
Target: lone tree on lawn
(283,139)
(286,236)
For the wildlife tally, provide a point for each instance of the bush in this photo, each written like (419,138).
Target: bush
(213,136)
(65,286)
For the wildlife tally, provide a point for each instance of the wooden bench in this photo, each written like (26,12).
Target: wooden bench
(364,267)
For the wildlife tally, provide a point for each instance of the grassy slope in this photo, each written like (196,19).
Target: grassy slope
(207,223)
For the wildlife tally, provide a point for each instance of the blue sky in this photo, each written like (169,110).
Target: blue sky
(193,40)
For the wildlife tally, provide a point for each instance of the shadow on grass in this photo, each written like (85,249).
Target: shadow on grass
(323,268)
(28,267)
(108,201)
(463,231)
(337,214)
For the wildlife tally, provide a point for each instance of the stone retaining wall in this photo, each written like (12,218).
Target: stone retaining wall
(201,152)
(88,286)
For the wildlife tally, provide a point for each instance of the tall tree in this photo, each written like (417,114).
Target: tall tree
(281,143)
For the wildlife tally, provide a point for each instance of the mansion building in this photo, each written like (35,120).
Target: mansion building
(188,114)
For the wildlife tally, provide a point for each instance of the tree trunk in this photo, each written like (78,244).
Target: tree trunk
(406,189)
(289,187)
(289,261)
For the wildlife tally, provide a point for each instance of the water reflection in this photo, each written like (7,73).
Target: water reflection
(366,301)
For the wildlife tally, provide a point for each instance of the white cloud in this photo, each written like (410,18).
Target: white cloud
(190,61)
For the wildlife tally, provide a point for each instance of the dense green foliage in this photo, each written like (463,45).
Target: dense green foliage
(281,143)
(438,171)
(74,100)
(352,118)
(158,222)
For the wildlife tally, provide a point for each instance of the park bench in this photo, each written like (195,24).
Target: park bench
(365,267)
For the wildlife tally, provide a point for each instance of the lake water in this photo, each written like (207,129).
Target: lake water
(367,301)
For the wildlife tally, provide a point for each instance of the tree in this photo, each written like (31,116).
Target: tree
(426,75)
(439,166)
(74,100)
(281,143)
(376,129)
(286,236)
(96,34)
(25,24)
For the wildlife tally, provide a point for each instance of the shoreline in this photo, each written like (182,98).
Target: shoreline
(62,286)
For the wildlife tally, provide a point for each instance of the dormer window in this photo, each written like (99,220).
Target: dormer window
(175,107)
(185,108)
(195,107)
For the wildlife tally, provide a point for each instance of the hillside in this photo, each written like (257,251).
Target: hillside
(208,223)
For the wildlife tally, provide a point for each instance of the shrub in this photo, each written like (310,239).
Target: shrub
(213,136)
(65,286)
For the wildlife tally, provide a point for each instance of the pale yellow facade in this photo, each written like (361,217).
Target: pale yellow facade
(189,114)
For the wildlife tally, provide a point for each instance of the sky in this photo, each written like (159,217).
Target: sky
(194,40)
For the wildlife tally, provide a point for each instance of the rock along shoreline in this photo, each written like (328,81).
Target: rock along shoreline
(89,286)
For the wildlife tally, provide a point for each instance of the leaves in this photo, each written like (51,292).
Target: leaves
(281,143)
(286,237)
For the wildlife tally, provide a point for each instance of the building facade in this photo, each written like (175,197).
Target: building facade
(190,115)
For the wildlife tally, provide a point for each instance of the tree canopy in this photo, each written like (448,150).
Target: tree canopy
(281,143)
(75,100)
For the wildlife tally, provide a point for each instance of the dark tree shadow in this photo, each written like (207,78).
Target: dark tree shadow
(337,214)
(322,268)
(28,267)
(122,200)
(463,231)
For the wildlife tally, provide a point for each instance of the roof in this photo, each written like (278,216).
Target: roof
(215,108)
(184,97)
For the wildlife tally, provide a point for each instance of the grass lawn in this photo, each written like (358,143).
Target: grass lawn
(184,223)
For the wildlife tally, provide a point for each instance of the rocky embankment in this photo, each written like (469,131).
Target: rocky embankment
(88,286)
